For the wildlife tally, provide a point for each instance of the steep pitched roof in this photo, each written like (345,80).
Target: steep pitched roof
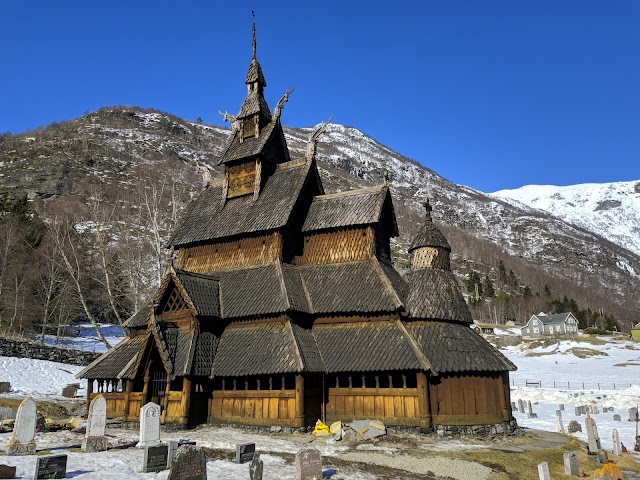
(256,349)
(140,317)
(429,234)
(356,207)
(451,347)
(202,290)
(366,347)
(210,218)
(434,294)
(253,103)
(351,287)
(252,146)
(553,319)
(117,362)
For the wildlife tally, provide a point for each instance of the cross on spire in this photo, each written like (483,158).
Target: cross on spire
(253,39)
(427,208)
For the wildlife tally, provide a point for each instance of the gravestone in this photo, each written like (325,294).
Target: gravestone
(173,449)
(543,471)
(94,439)
(617,450)
(574,427)
(51,466)
(617,418)
(559,423)
(155,458)
(578,411)
(561,406)
(602,457)
(633,414)
(7,471)
(514,406)
(244,452)
(190,463)
(308,464)
(521,406)
(255,467)
(571,463)
(149,425)
(7,413)
(24,430)
(5,387)
(593,439)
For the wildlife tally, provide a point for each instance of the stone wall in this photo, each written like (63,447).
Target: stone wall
(27,349)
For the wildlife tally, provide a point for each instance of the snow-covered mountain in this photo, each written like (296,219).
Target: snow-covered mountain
(611,210)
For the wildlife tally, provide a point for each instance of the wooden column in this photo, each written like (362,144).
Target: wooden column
(127,392)
(299,415)
(165,400)
(502,393)
(424,407)
(186,401)
(89,392)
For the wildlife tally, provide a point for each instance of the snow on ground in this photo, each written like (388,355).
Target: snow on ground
(569,363)
(87,338)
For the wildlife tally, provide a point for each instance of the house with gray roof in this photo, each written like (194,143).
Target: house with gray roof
(283,307)
(556,324)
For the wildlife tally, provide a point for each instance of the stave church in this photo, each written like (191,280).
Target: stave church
(283,307)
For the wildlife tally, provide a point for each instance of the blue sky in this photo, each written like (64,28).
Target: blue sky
(492,94)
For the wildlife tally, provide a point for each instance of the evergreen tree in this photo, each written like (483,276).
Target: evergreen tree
(473,281)
(502,273)
(487,287)
(547,292)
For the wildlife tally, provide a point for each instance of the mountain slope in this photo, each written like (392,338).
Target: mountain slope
(611,210)
(115,146)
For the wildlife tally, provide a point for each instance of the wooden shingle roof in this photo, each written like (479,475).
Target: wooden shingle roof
(140,318)
(202,291)
(434,294)
(210,218)
(451,347)
(252,146)
(429,234)
(254,103)
(256,349)
(356,207)
(205,351)
(117,362)
(365,347)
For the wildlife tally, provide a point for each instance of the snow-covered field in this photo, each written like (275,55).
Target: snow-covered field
(567,361)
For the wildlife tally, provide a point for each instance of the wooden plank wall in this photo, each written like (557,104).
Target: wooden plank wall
(252,251)
(338,246)
(173,412)
(394,406)
(429,257)
(116,404)
(241,179)
(254,407)
(467,400)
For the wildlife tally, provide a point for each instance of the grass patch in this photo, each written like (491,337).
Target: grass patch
(582,352)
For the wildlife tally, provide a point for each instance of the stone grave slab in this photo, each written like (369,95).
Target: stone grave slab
(150,425)
(51,466)
(245,452)
(7,471)
(5,387)
(94,440)
(633,414)
(617,418)
(190,463)
(574,427)
(559,423)
(24,430)
(155,458)
(308,463)
(255,467)
(543,471)
(593,439)
(617,449)
(571,463)
(7,413)
(69,391)
(173,449)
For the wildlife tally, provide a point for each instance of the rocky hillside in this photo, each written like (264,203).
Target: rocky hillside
(115,146)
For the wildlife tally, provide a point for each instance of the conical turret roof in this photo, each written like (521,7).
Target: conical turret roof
(255,102)
(429,234)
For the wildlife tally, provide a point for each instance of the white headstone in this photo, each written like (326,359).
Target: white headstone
(559,421)
(94,439)
(617,450)
(24,429)
(593,439)
(571,463)
(150,425)
(543,471)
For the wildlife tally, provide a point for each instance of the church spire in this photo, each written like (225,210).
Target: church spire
(429,248)
(253,41)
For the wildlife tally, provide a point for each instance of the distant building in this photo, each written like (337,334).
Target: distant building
(635,332)
(483,328)
(546,325)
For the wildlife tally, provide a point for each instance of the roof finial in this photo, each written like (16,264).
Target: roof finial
(386,178)
(253,35)
(427,208)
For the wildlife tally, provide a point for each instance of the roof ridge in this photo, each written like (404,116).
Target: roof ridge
(289,327)
(291,164)
(359,191)
(192,350)
(385,280)
(196,274)
(283,286)
(415,347)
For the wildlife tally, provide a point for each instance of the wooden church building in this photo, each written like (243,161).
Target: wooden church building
(283,307)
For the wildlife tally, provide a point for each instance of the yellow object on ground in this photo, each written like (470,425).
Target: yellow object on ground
(611,470)
(321,428)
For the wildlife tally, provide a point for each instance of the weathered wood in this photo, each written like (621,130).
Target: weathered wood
(430,257)
(423,410)
(185,401)
(346,245)
(299,404)
(241,179)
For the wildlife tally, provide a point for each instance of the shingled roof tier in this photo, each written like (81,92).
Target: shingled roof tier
(451,347)
(117,362)
(205,352)
(357,207)
(202,291)
(179,348)
(434,294)
(362,286)
(254,103)
(140,318)
(257,349)
(210,218)
(252,146)
(366,347)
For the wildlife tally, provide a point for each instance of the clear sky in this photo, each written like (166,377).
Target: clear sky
(488,93)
